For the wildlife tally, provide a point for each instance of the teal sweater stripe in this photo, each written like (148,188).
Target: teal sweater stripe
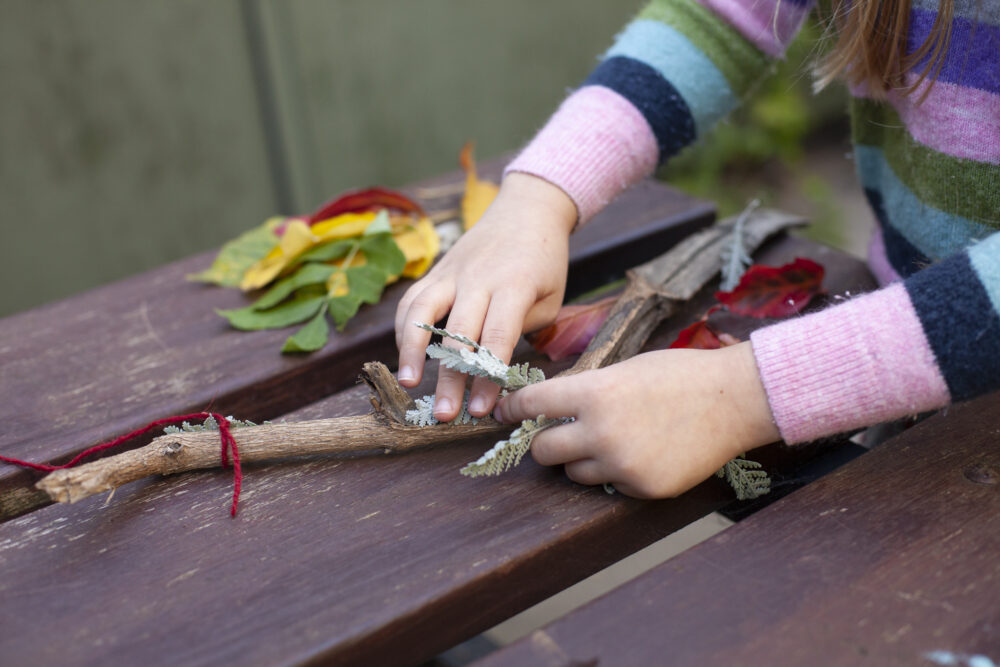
(933,232)
(742,63)
(983,257)
(699,82)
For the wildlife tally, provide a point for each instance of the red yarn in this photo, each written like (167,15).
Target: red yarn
(225,436)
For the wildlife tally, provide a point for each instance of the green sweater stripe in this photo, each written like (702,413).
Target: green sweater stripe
(740,62)
(963,187)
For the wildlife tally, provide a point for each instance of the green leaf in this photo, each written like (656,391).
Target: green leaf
(299,309)
(310,274)
(311,337)
(380,225)
(366,282)
(381,251)
(328,251)
(343,308)
(238,255)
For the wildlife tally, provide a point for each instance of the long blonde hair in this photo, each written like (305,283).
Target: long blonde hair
(870,47)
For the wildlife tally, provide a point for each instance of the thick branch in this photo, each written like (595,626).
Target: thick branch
(656,289)
(384,430)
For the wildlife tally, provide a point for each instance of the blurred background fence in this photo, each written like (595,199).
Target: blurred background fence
(135,133)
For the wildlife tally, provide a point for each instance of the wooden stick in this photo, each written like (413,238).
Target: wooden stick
(653,293)
(655,290)
(383,431)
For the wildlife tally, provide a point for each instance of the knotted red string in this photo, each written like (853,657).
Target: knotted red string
(225,436)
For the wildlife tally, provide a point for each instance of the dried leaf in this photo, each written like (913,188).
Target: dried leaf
(573,329)
(478,194)
(766,291)
(701,336)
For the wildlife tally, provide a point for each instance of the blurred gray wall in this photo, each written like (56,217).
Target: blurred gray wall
(135,133)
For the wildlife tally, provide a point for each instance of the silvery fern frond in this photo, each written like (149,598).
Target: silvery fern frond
(735,259)
(521,375)
(423,413)
(508,453)
(480,361)
(746,478)
(208,425)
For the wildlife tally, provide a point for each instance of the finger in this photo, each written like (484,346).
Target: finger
(429,306)
(553,398)
(466,319)
(586,471)
(501,331)
(560,444)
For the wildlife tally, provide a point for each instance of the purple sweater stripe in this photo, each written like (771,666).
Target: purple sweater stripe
(971,59)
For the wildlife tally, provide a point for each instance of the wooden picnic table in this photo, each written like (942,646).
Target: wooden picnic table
(894,558)
(350,560)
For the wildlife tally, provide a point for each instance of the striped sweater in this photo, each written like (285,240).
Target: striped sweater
(931,171)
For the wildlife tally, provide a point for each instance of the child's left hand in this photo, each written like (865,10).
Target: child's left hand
(654,425)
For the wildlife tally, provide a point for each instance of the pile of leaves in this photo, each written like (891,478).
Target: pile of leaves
(327,264)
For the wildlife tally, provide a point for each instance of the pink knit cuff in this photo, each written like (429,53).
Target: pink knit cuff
(860,363)
(594,147)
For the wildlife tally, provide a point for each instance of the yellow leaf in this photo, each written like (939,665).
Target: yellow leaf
(336,284)
(298,238)
(420,245)
(343,226)
(478,194)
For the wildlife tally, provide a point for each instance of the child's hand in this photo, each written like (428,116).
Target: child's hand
(655,425)
(504,276)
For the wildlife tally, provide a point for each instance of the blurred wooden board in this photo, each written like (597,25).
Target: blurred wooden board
(84,370)
(367,560)
(892,557)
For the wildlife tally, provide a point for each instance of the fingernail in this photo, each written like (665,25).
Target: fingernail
(406,374)
(497,414)
(477,405)
(442,406)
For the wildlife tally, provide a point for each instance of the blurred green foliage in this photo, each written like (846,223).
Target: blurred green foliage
(760,149)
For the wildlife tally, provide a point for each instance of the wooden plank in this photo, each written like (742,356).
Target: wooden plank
(84,370)
(890,558)
(373,560)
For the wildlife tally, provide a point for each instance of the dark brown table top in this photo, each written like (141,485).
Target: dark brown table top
(86,369)
(371,560)
(892,559)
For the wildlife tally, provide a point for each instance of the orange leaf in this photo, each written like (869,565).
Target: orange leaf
(767,291)
(701,336)
(572,330)
(478,194)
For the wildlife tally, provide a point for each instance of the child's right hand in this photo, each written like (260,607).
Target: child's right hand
(504,276)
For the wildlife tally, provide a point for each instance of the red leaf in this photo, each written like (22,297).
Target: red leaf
(701,336)
(766,291)
(358,201)
(572,330)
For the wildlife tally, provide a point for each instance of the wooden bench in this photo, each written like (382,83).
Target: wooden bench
(365,560)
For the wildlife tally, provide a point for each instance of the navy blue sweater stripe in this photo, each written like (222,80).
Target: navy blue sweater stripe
(664,109)
(903,256)
(960,324)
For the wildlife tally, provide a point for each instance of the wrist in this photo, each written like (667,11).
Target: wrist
(755,425)
(536,194)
